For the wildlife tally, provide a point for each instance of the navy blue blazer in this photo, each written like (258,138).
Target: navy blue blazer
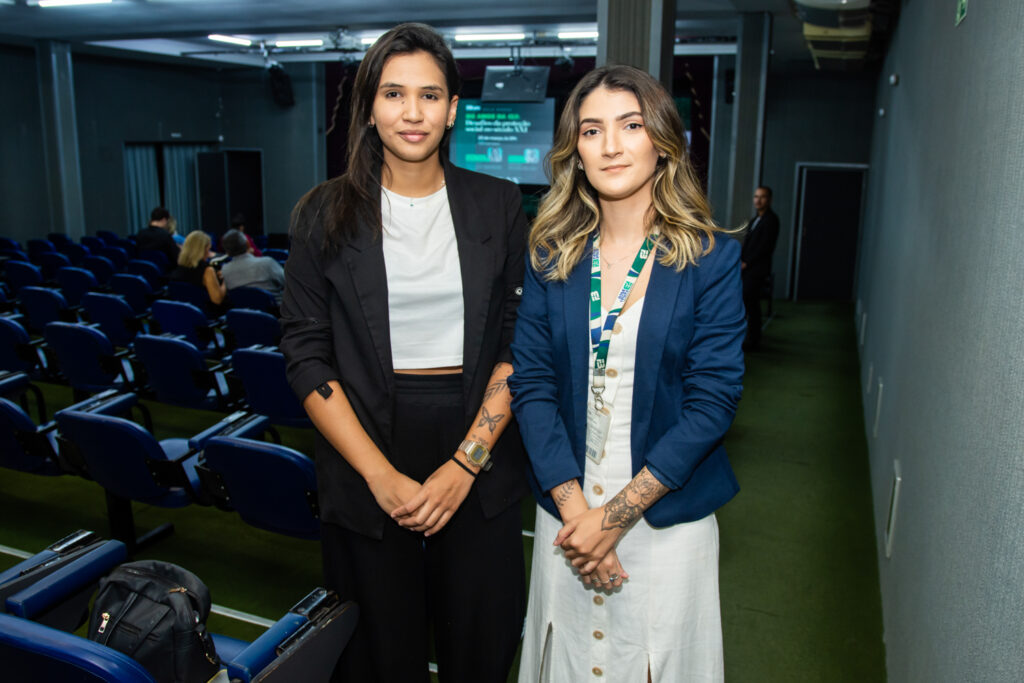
(688,381)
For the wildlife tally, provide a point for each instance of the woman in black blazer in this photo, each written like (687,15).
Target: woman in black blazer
(417,493)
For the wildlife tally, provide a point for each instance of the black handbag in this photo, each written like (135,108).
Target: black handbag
(155,612)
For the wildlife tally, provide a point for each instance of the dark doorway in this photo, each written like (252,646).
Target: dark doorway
(829,200)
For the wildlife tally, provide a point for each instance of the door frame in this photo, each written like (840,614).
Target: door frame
(793,258)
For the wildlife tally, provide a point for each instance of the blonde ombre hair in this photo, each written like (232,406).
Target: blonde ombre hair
(570,213)
(195,249)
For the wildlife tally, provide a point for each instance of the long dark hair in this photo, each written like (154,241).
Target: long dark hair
(355,195)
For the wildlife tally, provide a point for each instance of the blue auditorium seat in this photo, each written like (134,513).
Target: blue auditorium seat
(26,447)
(114,316)
(14,255)
(75,252)
(20,274)
(17,350)
(42,306)
(279,255)
(261,371)
(189,321)
(147,269)
(16,385)
(39,246)
(92,243)
(101,267)
(249,327)
(74,282)
(272,487)
(58,239)
(108,237)
(8,243)
(50,262)
(157,258)
(135,289)
(253,298)
(177,290)
(87,359)
(177,371)
(130,464)
(117,255)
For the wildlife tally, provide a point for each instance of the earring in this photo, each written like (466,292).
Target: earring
(663,156)
(579,164)
(370,124)
(449,126)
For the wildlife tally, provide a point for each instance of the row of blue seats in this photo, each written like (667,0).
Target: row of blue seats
(115,315)
(167,368)
(43,600)
(272,487)
(102,256)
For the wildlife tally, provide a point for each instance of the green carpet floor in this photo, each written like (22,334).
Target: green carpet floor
(799,583)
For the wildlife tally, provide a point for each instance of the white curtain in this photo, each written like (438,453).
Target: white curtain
(142,184)
(180,184)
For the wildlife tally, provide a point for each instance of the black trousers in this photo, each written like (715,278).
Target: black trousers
(466,583)
(752,286)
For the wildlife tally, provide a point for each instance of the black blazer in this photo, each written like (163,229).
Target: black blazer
(334,317)
(759,245)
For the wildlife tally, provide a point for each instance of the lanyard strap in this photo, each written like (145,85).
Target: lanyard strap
(601,336)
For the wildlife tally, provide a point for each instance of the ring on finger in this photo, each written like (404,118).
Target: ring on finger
(613,577)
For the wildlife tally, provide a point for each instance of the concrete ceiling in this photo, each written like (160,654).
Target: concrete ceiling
(128,21)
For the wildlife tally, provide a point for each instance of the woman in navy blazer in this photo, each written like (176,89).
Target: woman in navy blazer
(620,176)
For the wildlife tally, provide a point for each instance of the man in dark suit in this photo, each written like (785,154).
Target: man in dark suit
(157,236)
(756,260)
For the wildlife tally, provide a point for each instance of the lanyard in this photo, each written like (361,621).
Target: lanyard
(601,337)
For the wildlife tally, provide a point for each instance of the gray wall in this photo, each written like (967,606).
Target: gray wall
(24,205)
(122,100)
(941,283)
(119,101)
(810,117)
(294,156)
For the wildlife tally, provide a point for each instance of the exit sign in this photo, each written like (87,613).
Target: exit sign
(961,11)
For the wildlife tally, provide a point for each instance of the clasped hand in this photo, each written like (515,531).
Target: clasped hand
(591,548)
(430,508)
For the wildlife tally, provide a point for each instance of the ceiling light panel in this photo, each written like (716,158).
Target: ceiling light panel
(233,40)
(68,3)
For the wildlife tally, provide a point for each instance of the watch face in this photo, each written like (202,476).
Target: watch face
(477,454)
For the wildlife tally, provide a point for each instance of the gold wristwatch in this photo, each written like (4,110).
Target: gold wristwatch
(477,454)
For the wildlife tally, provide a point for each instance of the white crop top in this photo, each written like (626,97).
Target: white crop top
(421,258)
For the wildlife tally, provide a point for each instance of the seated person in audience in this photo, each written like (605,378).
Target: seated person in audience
(172,227)
(194,268)
(157,236)
(238,223)
(246,270)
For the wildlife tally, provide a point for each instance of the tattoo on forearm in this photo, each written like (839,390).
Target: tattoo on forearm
(495,388)
(489,420)
(564,492)
(629,504)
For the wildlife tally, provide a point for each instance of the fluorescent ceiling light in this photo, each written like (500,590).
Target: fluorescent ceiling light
(577,35)
(299,43)
(244,42)
(69,3)
(370,40)
(485,37)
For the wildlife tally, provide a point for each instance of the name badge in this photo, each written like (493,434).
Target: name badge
(599,422)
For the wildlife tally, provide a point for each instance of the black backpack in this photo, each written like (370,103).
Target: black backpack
(155,612)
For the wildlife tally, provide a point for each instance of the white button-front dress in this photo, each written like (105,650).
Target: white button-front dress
(665,616)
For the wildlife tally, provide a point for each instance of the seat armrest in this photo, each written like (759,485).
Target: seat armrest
(239,424)
(108,402)
(66,581)
(263,650)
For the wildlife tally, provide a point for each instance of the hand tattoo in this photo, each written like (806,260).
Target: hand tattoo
(495,388)
(491,421)
(564,492)
(629,504)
